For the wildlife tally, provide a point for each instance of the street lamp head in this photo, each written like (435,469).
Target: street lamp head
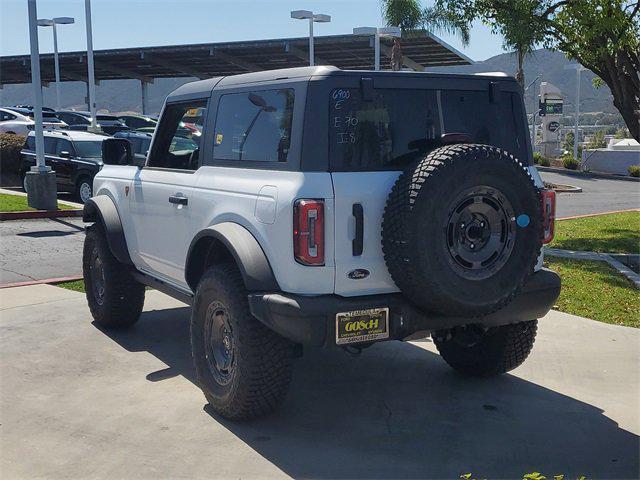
(321,18)
(45,22)
(301,14)
(365,31)
(64,20)
(390,32)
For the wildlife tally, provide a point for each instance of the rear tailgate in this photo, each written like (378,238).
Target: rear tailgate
(361,273)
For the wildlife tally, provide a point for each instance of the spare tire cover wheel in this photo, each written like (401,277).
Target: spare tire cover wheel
(462,230)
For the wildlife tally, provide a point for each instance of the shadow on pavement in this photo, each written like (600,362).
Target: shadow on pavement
(398,411)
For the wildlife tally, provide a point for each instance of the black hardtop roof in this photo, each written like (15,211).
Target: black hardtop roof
(306,73)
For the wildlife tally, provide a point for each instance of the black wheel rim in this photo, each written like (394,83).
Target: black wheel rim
(219,343)
(97,278)
(480,232)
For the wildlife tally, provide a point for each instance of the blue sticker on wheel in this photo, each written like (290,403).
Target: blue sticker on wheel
(523,220)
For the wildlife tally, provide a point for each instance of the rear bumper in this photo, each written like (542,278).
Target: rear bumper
(310,320)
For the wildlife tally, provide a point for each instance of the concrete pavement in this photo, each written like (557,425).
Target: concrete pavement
(77,402)
(598,194)
(40,249)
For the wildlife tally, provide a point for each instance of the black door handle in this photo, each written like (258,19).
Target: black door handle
(178,200)
(357,243)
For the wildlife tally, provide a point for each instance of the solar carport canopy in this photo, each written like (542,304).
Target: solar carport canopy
(420,50)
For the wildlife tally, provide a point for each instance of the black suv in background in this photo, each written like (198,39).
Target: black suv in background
(77,120)
(76,157)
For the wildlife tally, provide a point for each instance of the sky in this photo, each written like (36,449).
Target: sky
(141,23)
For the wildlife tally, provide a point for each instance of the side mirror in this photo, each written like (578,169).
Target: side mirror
(65,154)
(117,151)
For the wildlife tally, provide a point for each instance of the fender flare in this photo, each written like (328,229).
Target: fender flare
(245,250)
(102,209)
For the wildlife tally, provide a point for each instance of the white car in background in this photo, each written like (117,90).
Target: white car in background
(19,120)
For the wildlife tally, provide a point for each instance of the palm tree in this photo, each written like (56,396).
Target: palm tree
(410,17)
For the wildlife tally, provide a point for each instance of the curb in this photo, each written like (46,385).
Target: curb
(578,173)
(566,189)
(27,214)
(597,214)
(40,282)
(632,276)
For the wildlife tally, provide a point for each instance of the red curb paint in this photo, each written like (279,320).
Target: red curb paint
(40,282)
(24,215)
(598,214)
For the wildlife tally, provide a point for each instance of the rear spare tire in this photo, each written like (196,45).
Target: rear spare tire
(462,230)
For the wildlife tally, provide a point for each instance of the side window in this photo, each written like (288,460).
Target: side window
(144,145)
(135,144)
(50,145)
(5,117)
(178,136)
(254,126)
(64,145)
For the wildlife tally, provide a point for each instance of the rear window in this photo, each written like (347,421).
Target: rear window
(398,126)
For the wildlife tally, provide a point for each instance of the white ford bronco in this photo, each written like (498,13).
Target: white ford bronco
(315,207)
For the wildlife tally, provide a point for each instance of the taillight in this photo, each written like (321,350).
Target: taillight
(548,214)
(308,232)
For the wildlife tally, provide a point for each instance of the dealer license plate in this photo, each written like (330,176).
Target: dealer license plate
(362,326)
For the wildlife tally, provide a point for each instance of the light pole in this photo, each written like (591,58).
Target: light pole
(533,116)
(312,17)
(40,180)
(91,73)
(378,32)
(578,68)
(46,22)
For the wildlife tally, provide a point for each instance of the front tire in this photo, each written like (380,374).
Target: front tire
(84,189)
(476,352)
(243,368)
(115,298)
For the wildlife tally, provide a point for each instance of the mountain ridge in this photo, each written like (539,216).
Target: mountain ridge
(125,95)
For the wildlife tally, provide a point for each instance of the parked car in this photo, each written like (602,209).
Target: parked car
(75,156)
(79,120)
(136,122)
(19,120)
(140,142)
(334,209)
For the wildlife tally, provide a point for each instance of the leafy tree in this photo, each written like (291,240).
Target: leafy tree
(597,140)
(567,144)
(603,35)
(621,133)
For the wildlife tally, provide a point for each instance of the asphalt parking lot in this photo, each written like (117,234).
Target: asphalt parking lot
(598,194)
(77,402)
(39,249)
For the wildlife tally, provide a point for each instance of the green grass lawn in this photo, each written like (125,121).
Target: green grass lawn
(18,203)
(595,290)
(612,233)
(76,286)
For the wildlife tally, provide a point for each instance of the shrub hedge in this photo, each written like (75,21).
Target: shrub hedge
(10,146)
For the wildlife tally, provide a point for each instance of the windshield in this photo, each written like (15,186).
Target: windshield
(89,148)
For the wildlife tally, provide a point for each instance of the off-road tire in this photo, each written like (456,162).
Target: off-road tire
(500,350)
(122,299)
(261,367)
(414,229)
